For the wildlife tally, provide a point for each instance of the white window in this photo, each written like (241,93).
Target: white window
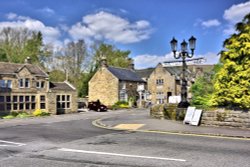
(40,84)
(24,83)
(63,101)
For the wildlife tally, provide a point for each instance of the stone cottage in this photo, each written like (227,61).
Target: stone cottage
(26,87)
(165,81)
(113,84)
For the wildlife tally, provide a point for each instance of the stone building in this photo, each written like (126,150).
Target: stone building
(113,84)
(26,87)
(165,81)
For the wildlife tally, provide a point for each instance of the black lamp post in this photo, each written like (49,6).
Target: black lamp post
(183,54)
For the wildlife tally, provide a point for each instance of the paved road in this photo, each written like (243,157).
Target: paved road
(73,141)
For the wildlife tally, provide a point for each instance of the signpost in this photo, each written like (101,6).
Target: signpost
(189,115)
(192,116)
(196,117)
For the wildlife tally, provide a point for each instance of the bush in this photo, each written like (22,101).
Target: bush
(23,115)
(17,115)
(9,117)
(39,113)
(120,105)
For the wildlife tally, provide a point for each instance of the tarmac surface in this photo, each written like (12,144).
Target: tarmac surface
(140,120)
(135,120)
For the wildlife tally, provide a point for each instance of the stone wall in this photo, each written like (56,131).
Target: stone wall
(52,102)
(219,117)
(169,84)
(226,118)
(104,86)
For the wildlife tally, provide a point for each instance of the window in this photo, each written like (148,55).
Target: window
(27,83)
(20,83)
(5,83)
(8,99)
(63,101)
(33,98)
(8,106)
(2,83)
(2,105)
(9,84)
(1,98)
(21,99)
(159,81)
(21,106)
(15,107)
(42,102)
(14,98)
(40,84)
(27,98)
(160,97)
(17,102)
(24,83)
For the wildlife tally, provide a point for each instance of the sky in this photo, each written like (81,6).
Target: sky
(145,27)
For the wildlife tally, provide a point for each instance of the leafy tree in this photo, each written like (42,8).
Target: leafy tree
(232,82)
(57,76)
(16,44)
(203,89)
(114,56)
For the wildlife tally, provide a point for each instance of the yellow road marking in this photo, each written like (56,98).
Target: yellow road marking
(169,133)
(129,126)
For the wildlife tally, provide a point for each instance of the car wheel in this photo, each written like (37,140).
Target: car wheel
(98,110)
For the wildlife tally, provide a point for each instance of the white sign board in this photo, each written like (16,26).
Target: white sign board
(174,99)
(196,118)
(140,88)
(189,115)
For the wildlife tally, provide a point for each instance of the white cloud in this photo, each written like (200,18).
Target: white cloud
(106,26)
(47,11)
(147,60)
(50,34)
(236,12)
(234,15)
(11,16)
(210,23)
(210,57)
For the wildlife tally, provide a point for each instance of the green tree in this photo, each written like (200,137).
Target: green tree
(114,56)
(57,76)
(232,82)
(202,90)
(16,44)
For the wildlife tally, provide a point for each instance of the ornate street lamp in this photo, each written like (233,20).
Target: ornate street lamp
(183,54)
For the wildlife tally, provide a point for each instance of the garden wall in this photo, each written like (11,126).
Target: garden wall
(217,117)
(226,118)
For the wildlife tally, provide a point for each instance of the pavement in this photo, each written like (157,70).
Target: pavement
(140,120)
(135,120)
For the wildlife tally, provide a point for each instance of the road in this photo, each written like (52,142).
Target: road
(73,141)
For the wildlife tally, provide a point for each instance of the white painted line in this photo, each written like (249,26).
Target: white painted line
(121,155)
(11,144)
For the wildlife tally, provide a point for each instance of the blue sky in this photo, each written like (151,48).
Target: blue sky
(144,27)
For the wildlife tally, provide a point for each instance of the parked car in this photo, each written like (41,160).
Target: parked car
(97,106)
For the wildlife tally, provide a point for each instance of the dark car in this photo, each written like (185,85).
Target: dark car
(97,106)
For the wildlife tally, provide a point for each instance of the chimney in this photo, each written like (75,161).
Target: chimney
(27,60)
(104,61)
(131,64)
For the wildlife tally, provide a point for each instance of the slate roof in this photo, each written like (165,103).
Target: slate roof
(125,74)
(13,68)
(144,73)
(60,86)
